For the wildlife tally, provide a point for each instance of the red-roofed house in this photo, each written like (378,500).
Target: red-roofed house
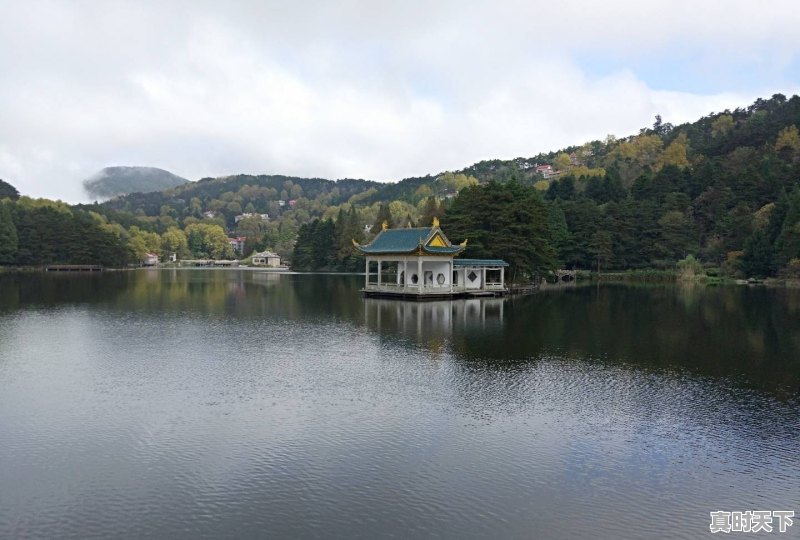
(237,244)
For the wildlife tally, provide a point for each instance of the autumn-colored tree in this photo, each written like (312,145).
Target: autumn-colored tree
(562,162)
(722,125)
(788,142)
(174,241)
(143,242)
(205,240)
(674,154)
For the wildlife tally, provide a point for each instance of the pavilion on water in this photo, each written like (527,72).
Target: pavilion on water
(420,262)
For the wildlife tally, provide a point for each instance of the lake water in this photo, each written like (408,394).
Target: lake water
(239,404)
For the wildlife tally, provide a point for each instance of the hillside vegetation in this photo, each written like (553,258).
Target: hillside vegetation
(724,189)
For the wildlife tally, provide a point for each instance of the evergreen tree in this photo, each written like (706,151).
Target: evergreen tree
(507,221)
(560,237)
(9,241)
(601,247)
(303,256)
(8,191)
(432,209)
(787,245)
(324,246)
(384,216)
(757,260)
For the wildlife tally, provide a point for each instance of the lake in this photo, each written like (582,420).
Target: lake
(240,404)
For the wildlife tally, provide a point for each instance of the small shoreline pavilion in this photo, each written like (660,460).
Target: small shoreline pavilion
(420,262)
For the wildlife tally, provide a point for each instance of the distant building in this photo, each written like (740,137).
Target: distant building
(292,202)
(281,203)
(237,244)
(240,217)
(546,171)
(173,257)
(266,258)
(210,214)
(150,259)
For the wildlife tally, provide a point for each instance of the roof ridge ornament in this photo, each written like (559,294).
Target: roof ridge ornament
(435,221)
(356,244)
(384,225)
(464,243)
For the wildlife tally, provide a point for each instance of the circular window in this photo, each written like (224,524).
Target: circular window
(414,278)
(440,279)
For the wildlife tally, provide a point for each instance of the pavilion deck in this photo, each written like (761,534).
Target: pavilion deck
(394,290)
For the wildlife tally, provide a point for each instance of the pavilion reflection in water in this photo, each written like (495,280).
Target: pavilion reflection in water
(432,319)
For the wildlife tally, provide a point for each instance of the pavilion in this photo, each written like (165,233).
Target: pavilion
(420,262)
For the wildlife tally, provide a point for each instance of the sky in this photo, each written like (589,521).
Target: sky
(362,89)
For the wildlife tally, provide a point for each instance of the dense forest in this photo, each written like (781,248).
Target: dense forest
(724,189)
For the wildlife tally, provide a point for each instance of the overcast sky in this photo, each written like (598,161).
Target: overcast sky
(362,89)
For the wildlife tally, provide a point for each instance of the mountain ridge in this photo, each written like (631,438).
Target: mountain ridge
(122,180)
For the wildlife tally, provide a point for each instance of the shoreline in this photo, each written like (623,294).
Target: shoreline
(586,276)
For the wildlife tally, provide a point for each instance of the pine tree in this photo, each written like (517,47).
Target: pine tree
(384,216)
(8,191)
(432,209)
(507,221)
(9,240)
(757,260)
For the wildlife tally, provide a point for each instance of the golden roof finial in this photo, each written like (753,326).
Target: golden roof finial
(464,243)
(356,244)
(435,221)
(384,225)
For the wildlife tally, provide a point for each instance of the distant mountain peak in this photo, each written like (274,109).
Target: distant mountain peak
(113,181)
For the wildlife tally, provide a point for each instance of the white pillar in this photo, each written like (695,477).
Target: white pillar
(483,278)
(450,276)
(379,273)
(366,273)
(420,277)
(502,277)
(405,273)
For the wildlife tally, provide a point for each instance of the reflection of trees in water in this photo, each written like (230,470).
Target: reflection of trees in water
(752,333)
(749,334)
(731,331)
(51,289)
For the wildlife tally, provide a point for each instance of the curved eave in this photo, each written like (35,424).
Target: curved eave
(427,250)
(454,250)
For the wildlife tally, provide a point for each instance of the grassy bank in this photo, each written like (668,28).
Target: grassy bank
(647,274)
(652,275)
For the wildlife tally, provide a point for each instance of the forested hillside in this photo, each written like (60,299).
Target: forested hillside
(113,181)
(725,189)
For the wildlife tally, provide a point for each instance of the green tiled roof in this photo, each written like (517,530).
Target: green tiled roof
(479,262)
(435,249)
(406,241)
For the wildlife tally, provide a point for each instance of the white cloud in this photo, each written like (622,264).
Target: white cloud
(356,89)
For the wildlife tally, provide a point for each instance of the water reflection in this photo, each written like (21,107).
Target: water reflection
(433,322)
(748,334)
(207,403)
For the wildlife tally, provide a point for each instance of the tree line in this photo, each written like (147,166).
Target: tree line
(722,189)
